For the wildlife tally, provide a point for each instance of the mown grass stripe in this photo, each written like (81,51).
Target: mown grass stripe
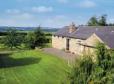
(21,77)
(45,69)
(11,74)
(2,77)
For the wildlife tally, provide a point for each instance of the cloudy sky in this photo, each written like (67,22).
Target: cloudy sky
(52,13)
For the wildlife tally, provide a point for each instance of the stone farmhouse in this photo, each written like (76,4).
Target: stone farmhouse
(83,39)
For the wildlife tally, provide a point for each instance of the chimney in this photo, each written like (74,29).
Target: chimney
(72,28)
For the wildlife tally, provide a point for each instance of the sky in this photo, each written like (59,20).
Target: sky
(52,13)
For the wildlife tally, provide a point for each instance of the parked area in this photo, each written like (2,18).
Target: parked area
(62,54)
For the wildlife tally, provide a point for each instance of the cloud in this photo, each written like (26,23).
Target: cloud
(6,22)
(23,19)
(63,1)
(23,16)
(24,0)
(13,11)
(26,19)
(111,20)
(18,22)
(58,21)
(42,9)
(87,4)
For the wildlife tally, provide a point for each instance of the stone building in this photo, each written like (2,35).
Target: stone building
(83,39)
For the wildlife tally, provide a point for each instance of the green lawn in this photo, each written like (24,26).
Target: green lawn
(31,67)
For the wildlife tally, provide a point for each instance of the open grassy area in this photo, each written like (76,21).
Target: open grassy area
(31,67)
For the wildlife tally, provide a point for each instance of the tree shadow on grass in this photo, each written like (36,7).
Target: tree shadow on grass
(6,61)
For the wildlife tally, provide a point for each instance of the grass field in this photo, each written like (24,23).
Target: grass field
(31,67)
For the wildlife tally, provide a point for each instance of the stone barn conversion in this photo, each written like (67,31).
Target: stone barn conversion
(83,39)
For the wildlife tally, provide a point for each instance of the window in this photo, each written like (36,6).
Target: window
(62,37)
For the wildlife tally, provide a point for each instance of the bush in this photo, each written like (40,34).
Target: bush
(35,39)
(81,71)
(40,38)
(12,39)
(30,41)
(86,71)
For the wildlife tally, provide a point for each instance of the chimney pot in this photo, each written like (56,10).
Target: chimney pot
(72,28)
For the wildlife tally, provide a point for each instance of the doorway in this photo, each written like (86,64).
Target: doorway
(67,44)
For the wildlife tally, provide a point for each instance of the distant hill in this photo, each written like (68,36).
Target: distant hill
(46,29)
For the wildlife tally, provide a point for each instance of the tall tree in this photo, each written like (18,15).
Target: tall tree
(102,21)
(36,39)
(93,21)
(40,38)
(30,40)
(111,24)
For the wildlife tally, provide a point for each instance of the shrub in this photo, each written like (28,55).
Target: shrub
(40,38)
(35,39)
(85,71)
(12,39)
(30,41)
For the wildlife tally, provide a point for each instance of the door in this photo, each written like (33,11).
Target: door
(67,44)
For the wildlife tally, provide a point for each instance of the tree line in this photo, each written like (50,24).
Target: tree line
(99,21)
(34,39)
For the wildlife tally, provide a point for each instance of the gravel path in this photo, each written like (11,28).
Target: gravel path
(67,56)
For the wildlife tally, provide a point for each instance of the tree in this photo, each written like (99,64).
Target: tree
(111,24)
(40,38)
(102,20)
(12,39)
(30,40)
(35,39)
(93,21)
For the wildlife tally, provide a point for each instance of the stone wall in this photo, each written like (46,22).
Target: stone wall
(74,44)
(91,41)
(75,47)
(59,42)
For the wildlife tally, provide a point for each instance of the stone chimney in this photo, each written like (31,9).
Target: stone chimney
(72,28)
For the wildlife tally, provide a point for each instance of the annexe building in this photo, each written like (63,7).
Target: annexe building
(83,39)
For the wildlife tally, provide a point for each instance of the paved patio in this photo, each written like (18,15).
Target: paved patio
(62,54)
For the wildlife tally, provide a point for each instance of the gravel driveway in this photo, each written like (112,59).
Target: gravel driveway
(62,54)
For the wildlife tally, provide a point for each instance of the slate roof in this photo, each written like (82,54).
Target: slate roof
(105,33)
